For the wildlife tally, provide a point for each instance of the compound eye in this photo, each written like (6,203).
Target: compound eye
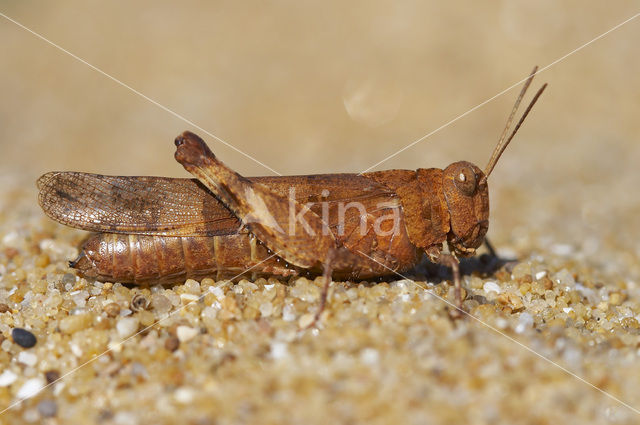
(466,181)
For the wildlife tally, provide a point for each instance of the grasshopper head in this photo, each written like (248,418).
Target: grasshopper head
(466,192)
(467,195)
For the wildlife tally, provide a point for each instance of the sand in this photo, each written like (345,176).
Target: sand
(550,338)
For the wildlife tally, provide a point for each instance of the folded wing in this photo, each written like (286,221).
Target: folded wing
(136,205)
(184,207)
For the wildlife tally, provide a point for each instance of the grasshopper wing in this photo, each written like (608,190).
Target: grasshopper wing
(135,205)
(184,207)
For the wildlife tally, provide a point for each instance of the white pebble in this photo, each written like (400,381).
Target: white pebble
(209,313)
(184,395)
(491,287)
(562,249)
(125,418)
(127,326)
(501,323)
(11,239)
(279,350)
(524,322)
(47,408)
(28,299)
(57,250)
(44,245)
(507,253)
(192,286)
(567,310)
(80,298)
(564,277)
(188,298)
(403,285)
(288,313)
(541,274)
(173,297)
(305,320)
(76,350)
(370,356)
(31,388)
(7,378)
(266,309)
(160,303)
(186,333)
(114,346)
(30,415)
(588,293)
(27,358)
(6,345)
(217,291)
(572,356)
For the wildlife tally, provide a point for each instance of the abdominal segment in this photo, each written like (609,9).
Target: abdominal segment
(152,260)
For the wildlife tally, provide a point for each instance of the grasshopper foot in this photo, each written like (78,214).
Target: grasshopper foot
(328,270)
(449,260)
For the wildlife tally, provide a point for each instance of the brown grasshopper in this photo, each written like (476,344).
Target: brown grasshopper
(347,226)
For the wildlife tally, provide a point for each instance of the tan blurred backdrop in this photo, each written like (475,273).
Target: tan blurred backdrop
(312,87)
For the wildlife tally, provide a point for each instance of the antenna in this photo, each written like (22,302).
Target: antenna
(503,143)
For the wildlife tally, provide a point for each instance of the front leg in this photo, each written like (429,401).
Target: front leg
(449,260)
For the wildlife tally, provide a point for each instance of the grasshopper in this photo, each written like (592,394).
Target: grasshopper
(342,226)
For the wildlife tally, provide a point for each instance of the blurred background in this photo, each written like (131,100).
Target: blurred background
(318,87)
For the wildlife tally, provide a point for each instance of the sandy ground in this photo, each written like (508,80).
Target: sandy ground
(329,88)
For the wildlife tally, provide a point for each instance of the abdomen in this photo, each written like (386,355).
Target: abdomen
(165,259)
(143,259)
